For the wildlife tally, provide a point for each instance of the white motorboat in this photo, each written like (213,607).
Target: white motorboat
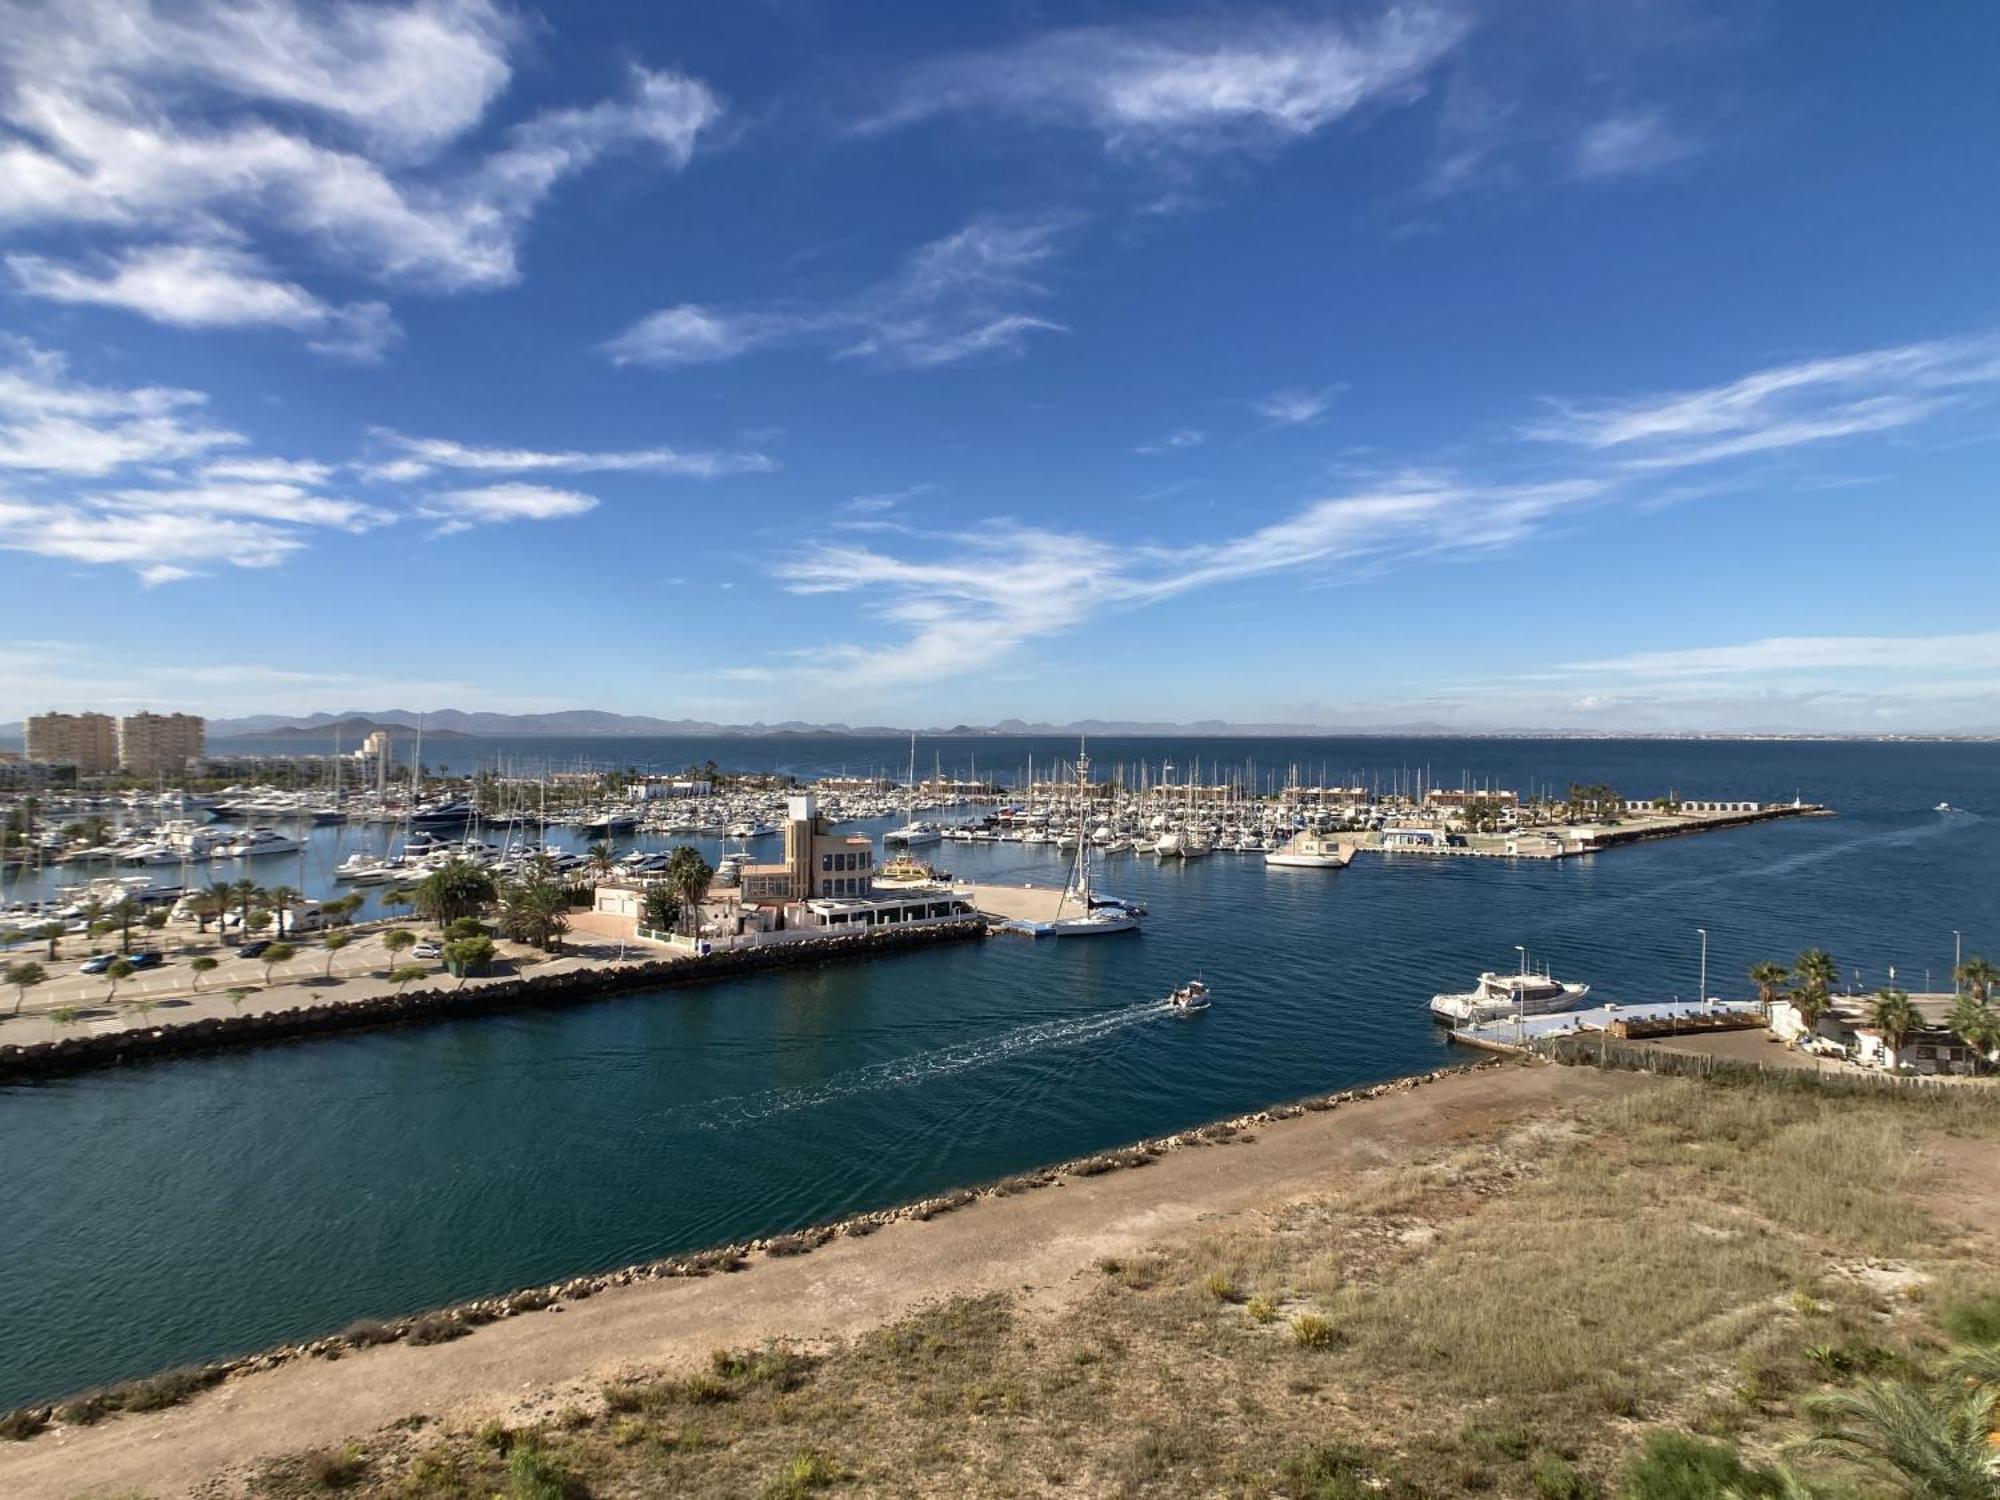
(261,841)
(1498,996)
(1309,850)
(1190,999)
(1944,807)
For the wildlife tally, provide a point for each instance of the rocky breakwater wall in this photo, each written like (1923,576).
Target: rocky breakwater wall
(487,997)
(447,1323)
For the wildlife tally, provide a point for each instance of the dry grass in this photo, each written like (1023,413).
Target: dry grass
(1506,1319)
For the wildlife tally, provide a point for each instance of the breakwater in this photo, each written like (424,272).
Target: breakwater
(415,1007)
(441,1325)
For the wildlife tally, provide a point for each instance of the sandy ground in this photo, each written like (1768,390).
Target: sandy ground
(1046,1242)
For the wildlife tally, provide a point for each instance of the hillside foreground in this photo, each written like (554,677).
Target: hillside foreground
(1498,1284)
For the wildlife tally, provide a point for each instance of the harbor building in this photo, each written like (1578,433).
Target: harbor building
(818,861)
(149,743)
(86,741)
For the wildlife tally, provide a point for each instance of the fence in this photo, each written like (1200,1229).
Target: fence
(1602,1051)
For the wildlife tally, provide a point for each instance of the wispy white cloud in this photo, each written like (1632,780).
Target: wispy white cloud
(1193,86)
(1295,408)
(949,605)
(175,506)
(348,130)
(1173,442)
(1786,406)
(1975,651)
(211,286)
(52,423)
(459,510)
(1630,144)
(420,457)
(955,298)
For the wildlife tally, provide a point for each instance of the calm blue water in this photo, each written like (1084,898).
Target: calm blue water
(192,1209)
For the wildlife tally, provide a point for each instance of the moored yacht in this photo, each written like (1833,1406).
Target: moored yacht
(1311,850)
(1498,996)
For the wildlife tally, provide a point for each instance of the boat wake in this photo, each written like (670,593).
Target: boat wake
(923,1067)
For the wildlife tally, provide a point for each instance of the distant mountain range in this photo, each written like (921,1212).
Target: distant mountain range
(351,726)
(354,726)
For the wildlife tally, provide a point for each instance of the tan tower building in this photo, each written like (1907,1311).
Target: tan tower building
(151,743)
(87,741)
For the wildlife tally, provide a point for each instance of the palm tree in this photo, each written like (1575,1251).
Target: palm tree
(247,896)
(690,877)
(200,966)
(1770,980)
(333,942)
(64,1015)
(1979,976)
(237,995)
(24,977)
(1928,1442)
(281,899)
(407,972)
(398,895)
(1817,975)
(211,905)
(118,972)
(1895,1018)
(1975,1023)
(52,934)
(602,856)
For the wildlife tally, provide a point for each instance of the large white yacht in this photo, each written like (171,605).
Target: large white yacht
(1311,850)
(261,841)
(1498,996)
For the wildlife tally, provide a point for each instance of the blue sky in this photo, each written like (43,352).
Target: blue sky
(1614,366)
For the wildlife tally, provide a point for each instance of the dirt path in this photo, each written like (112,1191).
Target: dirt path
(534,1364)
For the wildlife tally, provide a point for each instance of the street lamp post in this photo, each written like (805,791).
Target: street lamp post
(1703,995)
(1957,957)
(1520,997)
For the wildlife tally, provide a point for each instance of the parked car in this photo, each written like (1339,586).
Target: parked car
(97,963)
(253,949)
(150,959)
(427,950)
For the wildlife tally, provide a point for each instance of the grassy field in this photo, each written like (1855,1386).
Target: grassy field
(1512,1319)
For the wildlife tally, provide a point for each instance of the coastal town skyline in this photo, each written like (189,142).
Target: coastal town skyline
(1348,366)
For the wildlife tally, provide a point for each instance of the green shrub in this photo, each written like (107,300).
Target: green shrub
(534,1474)
(438,1328)
(1674,1466)
(1554,1479)
(1976,1320)
(22,1425)
(1333,1471)
(806,1472)
(1220,1287)
(368,1331)
(1261,1310)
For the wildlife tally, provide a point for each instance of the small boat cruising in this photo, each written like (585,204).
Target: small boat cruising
(1190,999)
(1498,996)
(1311,850)
(1945,807)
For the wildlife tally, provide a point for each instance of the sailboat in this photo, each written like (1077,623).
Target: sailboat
(913,833)
(1091,913)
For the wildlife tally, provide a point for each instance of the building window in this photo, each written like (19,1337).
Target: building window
(826,887)
(826,861)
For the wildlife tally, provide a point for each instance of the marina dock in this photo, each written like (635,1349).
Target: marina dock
(1664,1018)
